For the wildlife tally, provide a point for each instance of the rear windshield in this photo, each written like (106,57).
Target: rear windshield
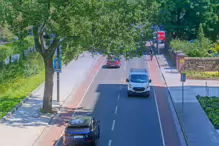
(113,59)
(139,78)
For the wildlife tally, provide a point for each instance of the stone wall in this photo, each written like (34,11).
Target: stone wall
(196,63)
(202,64)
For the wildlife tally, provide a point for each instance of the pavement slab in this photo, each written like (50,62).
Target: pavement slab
(197,128)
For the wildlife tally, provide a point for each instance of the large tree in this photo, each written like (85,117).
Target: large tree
(78,25)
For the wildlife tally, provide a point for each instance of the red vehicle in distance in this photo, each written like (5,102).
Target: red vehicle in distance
(113,61)
(161,36)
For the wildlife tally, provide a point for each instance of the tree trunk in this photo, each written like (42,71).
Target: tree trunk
(48,90)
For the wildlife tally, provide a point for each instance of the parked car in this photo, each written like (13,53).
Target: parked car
(113,61)
(82,130)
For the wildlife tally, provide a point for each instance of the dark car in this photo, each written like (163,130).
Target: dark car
(113,61)
(81,131)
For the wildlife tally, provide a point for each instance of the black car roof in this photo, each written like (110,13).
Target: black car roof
(80,121)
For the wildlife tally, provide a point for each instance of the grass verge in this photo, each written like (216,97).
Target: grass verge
(13,97)
(214,75)
(211,108)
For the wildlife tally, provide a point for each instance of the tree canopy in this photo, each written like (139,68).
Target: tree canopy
(110,27)
(184,17)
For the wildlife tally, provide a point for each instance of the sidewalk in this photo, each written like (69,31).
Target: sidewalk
(25,125)
(197,128)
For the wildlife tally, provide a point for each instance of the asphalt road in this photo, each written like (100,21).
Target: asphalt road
(124,121)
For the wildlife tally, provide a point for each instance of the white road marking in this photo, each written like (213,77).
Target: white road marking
(85,93)
(158,113)
(110,142)
(118,97)
(116,109)
(87,89)
(113,125)
(120,87)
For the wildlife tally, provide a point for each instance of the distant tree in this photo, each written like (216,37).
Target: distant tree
(183,17)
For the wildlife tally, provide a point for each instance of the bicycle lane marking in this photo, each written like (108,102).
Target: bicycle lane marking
(168,126)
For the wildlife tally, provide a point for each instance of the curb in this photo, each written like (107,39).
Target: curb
(173,108)
(27,98)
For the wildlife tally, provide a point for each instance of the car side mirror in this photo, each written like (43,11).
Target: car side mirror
(127,80)
(150,81)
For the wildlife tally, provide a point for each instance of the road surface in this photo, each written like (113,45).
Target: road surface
(124,121)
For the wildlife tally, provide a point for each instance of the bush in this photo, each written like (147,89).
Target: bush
(192,49)
(199,48)
(214,75)
(18,80)
(211,108)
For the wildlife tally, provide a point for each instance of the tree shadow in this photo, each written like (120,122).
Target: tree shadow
(28,114)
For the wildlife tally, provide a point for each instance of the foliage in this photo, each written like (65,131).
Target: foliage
(15,47)
(18,80)
(211,108)
(214,75)
(199,48)
(78,25)
(5,34)
(191,49)
(184,18)
(215,49)
(13,96)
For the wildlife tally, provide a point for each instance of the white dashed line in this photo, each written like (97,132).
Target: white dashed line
(110,142)
(120,87)
(113,125)
(116,109)
(118,97)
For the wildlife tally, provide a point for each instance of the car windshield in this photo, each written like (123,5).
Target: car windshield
(139,78)
(113,59)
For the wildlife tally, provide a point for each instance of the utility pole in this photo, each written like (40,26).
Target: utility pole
(58,77)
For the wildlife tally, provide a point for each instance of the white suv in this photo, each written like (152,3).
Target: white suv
(138,82)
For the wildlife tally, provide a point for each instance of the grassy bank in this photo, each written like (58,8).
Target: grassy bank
(18,81)
(214,75)
(211,108)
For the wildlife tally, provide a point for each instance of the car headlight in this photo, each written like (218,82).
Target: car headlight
(130,86)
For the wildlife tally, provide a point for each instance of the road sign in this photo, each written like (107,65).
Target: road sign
(181,60)
(57,65)
(183,77)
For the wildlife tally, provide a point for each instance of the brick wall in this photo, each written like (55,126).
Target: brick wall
(197,63)
(202,64)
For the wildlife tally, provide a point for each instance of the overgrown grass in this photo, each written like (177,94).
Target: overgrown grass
(18,81)
(213,75)
(211,108)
